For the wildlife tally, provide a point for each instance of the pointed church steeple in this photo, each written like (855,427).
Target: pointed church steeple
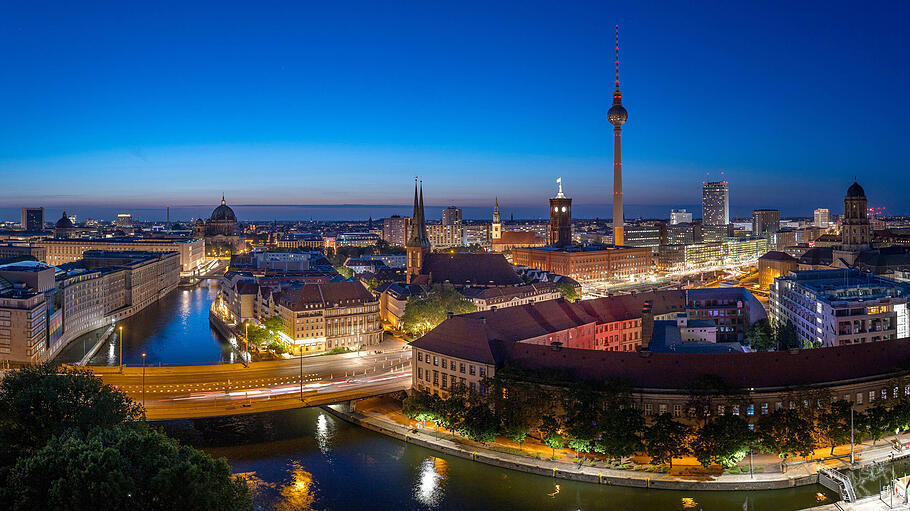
(222,199)
(418,245)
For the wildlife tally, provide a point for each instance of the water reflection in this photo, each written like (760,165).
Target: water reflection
(300,493)
(322,433)
(428,489)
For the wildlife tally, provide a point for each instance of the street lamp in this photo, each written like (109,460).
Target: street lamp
(300,347)
(143,380)
(120,337)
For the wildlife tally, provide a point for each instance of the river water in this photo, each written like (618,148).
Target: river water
(307,459)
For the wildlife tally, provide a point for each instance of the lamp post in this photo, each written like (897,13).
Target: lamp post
(120,337)
(300,347)
(143,380)
(851,435)
(246,335)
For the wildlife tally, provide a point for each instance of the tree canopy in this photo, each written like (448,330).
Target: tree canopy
(69,442)
(423,313)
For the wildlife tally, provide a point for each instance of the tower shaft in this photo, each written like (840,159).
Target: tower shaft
(618,230)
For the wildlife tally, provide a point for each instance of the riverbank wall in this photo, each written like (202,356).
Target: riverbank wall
(634,479)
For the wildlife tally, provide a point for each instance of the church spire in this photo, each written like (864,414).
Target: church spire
(424,239)
(222,199)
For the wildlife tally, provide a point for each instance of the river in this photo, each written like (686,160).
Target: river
(307,459)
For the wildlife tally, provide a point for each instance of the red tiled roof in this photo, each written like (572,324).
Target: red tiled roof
(742,370)
(329,294)
(469,269)
(469,336)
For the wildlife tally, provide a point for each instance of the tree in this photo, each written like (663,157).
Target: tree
(550,434)
(67,441)
(567,290)
(479,423)
(834,424)
(37,403)
(344,271)
(725,440)
(421,406)
(423,313)
(785,433)
(123,468)
(785,336)
(515,422)
(760,336)
(666,439)
(619,429)
(877,422)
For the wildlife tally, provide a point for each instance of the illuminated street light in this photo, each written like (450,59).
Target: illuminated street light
(143,380)
(120,339)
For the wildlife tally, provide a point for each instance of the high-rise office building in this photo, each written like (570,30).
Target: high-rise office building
(451,216)
(560,219)
(124,220)
(680,216)
(395,230)
(32,219)
(822,218)
(715,203)
(765,222)
(617,115)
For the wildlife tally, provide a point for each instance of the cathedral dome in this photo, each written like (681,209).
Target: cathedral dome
(856,190)
(223,213)
(64,222)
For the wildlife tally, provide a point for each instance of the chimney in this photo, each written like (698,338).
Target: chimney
(647,325)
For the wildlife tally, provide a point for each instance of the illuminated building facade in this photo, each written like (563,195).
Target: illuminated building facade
(841,306)
(715,203)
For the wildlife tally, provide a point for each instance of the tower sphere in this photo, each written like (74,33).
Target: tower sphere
(617,115)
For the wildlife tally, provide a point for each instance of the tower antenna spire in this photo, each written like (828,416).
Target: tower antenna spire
(617,58)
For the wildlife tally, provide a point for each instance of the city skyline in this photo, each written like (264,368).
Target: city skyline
(478,103)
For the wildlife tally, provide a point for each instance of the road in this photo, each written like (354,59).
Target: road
(210,390)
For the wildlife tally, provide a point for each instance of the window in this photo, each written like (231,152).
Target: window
(472,386)
(444,364)
(435,377)
(420,356)
(662,409)
(677,410)
(871,396)
(461,368)
(419,373)
(435,361)
(471,370)
(894,394)
(764,408)
(735,409)
(483,371)
(884,393)
(648,409)
(445,380)
(859,398)
(720,410)
(750,410)
(778,405)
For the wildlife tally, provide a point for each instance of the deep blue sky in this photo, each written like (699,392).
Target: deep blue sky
(149,103)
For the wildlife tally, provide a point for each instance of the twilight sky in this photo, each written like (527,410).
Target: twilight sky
(143,104)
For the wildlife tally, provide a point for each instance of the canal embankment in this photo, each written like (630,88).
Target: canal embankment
(803,475)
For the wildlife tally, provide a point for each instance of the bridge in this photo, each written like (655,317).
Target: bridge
(185,392)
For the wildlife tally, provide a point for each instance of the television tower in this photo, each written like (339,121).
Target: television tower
(617,115)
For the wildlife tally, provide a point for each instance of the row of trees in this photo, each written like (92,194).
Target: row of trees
(69,442)
(602,419)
